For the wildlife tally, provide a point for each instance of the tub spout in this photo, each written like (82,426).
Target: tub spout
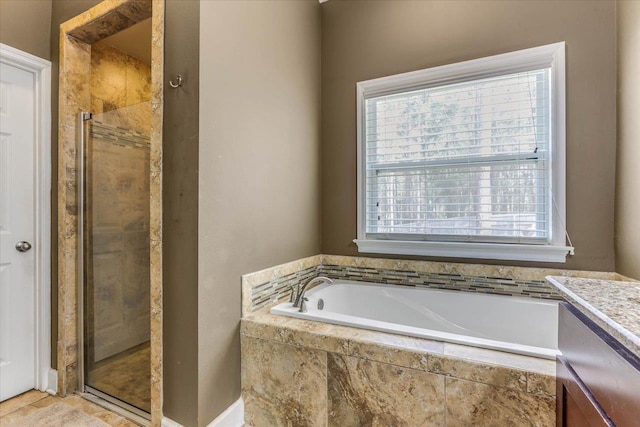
(303,288)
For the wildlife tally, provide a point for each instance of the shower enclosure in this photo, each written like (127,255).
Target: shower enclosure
(113,256)
(109,251)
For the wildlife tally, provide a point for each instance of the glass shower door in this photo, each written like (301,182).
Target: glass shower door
(116,298)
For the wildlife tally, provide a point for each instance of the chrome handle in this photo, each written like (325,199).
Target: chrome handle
(303,305)
(23,246)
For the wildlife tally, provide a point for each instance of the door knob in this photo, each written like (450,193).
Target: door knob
(23,246)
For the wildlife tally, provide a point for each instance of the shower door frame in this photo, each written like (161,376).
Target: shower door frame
(83,172)
(76,37)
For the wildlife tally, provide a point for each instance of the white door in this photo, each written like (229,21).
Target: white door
(17,231)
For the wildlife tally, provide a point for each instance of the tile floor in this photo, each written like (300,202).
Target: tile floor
(38,409)
(126,376)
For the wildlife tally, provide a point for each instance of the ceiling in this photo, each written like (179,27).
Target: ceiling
(134,41)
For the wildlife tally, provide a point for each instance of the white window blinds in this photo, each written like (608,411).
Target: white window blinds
(467,161)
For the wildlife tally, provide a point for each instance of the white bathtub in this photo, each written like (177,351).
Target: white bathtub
(517,325)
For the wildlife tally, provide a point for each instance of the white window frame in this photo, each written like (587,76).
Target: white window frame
(552,55)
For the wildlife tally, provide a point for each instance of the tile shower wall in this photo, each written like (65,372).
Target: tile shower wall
(118,203)
(119,80)
(118,268)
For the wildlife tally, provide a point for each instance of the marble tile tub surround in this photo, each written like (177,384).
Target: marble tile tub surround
(359,377)
(613,305)
(267,287)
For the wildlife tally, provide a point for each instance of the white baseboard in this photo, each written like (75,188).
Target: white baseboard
(233,416)
(52,382)
(168,422)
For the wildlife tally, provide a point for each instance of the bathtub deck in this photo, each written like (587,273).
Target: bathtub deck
(531,374)
(491,381)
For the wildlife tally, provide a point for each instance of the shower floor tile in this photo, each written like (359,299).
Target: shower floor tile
(125,376)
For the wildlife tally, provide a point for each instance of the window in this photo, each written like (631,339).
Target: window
(465,160)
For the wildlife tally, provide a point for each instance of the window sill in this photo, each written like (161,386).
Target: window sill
(497,251)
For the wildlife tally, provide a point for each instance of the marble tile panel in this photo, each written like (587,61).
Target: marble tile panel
(480,372)
(106,25)
(394,349)
(366,393)
(138,10)
(155,206)
(283,385)
(91,14)
(155,194)
(474,404)
(71,378)
(319,337)
(273,329)
(138,81)
(156,331)
(541,384)
(108,76)
(75,65)
(517,361)
(74,96)
(503,368)
(315,335)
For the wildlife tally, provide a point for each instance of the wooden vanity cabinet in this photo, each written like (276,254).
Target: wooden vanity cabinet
(597,378)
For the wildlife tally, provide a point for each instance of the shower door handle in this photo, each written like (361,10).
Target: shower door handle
(81,152)
(23,246)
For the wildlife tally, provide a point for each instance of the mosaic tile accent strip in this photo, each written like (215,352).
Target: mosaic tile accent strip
(276,288)
(279,289)
(119,136)
(453,282)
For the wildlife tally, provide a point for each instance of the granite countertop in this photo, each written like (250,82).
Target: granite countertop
(613,305)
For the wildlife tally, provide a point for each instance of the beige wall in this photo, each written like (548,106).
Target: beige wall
(25,25)
(180,214)
(259,166)
(628,170)
(363,40)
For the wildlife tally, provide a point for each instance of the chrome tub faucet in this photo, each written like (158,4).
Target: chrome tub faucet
(297,293)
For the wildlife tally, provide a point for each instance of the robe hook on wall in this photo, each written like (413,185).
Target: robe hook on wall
(178,82)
